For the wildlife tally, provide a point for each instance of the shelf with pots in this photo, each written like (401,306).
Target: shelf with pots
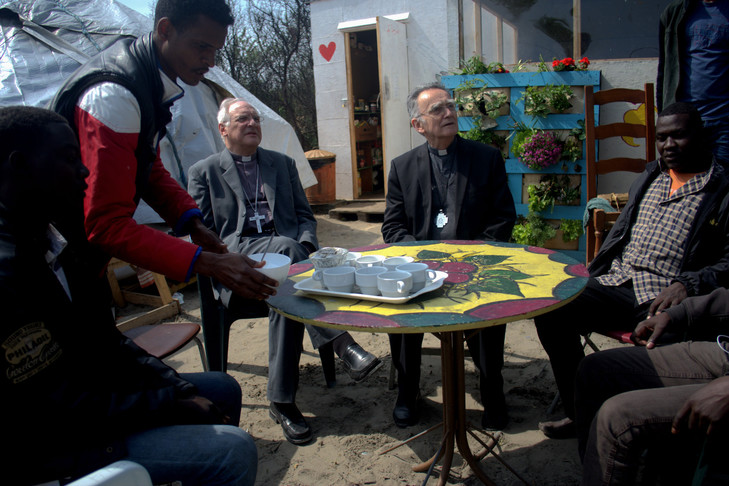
(543,111)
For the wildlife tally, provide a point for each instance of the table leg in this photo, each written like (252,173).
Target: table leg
(455,426)
(458,389)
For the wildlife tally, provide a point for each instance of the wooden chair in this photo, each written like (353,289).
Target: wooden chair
(216,322)
(159,340)
(594,133)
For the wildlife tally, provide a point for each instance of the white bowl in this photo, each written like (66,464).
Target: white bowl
(277,265)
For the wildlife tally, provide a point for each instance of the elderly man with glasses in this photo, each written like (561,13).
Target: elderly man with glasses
(246,194)
(448,188)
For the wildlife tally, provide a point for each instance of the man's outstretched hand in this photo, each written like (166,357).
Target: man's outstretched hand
(238,273)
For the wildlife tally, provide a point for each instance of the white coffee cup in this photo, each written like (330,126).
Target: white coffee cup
(394,283)
(420,272)
(393,262)
(277,265)
(366,279)
(369,261)
(351,259)
(339,279)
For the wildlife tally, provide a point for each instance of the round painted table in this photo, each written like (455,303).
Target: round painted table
(488,284)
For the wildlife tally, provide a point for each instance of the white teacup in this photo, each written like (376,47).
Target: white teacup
(394,284)
(393,262)
(369,261)
(339,279)
(366,279)
(351,259)
(277,265)
(420,272)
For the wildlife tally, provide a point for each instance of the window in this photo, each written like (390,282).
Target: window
(529,30)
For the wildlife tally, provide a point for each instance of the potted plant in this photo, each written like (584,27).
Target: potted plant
(482,134)
(541,150)
(539,101)
(552,189)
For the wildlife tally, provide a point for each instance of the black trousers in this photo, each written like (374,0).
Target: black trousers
(487,351)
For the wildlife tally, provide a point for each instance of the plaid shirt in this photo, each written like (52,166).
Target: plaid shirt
(653,256)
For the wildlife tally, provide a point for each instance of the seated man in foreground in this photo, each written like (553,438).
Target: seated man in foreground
(670,241)
(680,397)
(78,395)
(247,194)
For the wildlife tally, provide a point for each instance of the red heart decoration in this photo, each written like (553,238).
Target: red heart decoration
(327,51)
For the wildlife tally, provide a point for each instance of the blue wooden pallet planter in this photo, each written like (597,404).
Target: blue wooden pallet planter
(515,170)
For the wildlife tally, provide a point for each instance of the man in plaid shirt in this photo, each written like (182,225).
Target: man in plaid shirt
(671,241)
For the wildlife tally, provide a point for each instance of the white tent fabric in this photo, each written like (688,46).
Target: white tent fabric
(43,41)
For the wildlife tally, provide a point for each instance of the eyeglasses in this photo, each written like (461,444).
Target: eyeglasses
(246,118)
(440,108)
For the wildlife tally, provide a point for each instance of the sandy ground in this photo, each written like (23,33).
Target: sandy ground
(352,423)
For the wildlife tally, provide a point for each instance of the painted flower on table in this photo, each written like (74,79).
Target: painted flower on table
(474,273)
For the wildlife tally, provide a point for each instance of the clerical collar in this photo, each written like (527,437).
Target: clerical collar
(443,152)
(243,158)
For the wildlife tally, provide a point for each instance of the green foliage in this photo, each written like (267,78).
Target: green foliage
(471,98)
(539,101)
(520,135)
(480,134)
(532,230)
(268,51)
(552,189)
(475,65)
(571,229)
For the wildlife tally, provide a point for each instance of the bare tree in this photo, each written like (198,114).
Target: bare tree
(269,52)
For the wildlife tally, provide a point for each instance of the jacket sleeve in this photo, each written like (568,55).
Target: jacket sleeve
(702,311)
(199,189)
(713,252)
(107,120)
(395,223)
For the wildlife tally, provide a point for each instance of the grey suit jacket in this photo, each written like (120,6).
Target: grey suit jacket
(215,185)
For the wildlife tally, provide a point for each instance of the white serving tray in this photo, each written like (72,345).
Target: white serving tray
(311,286)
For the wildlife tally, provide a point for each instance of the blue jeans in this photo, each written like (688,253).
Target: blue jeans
(200,454)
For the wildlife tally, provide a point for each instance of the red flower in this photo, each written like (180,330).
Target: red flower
(555,63)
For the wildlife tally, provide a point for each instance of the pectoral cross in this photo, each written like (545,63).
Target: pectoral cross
(257,219)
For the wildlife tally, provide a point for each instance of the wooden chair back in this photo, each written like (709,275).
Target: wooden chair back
(594,133)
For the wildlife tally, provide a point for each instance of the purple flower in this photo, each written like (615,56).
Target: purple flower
(541,151)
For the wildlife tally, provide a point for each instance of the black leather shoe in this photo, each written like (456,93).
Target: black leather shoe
(494,419)
(359,363)
(406,412)
(494,412)
(294,426)
(559,429)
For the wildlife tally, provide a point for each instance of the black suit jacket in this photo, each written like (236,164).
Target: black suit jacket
(486,208)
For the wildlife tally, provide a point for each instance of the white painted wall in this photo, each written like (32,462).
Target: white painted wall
(432,31)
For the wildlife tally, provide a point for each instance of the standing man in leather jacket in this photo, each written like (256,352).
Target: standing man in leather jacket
(118,104)
(76,394)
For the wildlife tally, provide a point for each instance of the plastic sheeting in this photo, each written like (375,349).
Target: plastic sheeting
(43,41)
